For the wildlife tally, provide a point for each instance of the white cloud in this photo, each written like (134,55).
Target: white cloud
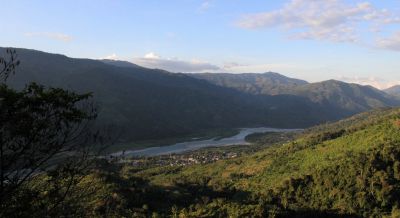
(232,65)
(151,55)
(339,34)
(152,60)
(391,43)
(372,81)
(332,20)
(56,36)
(111,57)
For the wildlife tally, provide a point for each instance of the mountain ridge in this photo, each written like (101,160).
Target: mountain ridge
(340,95)
(147,103)
(120,63)
(394,90)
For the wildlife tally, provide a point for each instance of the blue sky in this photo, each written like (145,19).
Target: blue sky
(350,40)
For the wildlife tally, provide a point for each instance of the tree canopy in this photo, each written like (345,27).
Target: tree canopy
(43,131)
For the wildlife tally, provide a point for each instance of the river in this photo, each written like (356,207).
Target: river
(238,139)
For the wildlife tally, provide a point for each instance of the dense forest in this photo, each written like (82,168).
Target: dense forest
(348,168)
(345,169)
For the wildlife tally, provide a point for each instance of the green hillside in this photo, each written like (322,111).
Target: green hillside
(257,83)
(344,96)
(346,169)
(338,97)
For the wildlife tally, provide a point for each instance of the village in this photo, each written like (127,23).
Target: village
(205,155)
(183,159)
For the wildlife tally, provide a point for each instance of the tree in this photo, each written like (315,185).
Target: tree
(43,131)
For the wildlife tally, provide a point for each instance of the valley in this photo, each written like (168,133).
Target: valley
(200,109)
(322,167)
(195,144)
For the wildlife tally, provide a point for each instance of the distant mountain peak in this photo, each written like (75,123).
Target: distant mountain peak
(273,73)
(394,90)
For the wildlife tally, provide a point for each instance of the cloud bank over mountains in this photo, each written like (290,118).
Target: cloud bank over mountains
(372,81)
(155,61)
(152,60)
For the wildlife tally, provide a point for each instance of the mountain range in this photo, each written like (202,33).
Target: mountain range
(343,98)
(394,90)
(142,103)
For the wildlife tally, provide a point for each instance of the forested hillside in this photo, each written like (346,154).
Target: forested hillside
(342,99)
(346,169)
(256,83)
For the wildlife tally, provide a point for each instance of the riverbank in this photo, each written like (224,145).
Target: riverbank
(204,135)
(208,154)
(176,148)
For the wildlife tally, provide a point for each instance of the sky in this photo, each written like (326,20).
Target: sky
(349,40)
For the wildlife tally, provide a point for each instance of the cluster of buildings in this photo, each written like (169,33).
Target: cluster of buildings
(185,159)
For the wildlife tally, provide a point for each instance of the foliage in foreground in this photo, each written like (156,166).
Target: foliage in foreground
(44,146)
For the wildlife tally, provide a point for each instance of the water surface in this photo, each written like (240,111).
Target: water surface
(238,139)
